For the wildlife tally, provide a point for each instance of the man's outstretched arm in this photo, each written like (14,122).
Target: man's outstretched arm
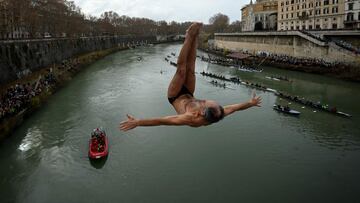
(132,123)
(254,101)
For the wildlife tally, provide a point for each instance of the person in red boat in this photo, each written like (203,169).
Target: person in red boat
(190,111)
(98,140)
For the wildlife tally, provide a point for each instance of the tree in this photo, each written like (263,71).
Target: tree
(219,22)
(234,27)
(56,17)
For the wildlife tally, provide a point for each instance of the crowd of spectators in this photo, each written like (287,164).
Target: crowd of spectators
(281,58)
(346,45)
(18,97)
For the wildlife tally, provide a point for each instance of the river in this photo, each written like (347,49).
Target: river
(257,155)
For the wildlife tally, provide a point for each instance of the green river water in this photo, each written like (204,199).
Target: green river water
(257,155)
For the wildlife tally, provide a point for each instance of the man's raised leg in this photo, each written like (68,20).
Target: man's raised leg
(180,76)
(190,67)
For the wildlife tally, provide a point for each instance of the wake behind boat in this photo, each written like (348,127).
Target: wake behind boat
(272,78)
(278,78)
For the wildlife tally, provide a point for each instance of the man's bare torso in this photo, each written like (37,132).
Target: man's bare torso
(186,103)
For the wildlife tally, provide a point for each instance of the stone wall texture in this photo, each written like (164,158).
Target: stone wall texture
(291,44)
(19,58)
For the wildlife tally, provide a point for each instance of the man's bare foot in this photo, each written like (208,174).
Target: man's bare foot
(194,29)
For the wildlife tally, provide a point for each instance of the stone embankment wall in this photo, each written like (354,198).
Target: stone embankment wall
(20,58)
(291,43)
(62,73)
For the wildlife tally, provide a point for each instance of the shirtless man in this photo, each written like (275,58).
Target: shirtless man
(190,111)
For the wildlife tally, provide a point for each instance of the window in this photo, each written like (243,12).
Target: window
(335,9)
(326,2)
(350,6)
(282,16)
(310,27)
(317,26)
(334,26)
(326,11)
(292,15)
(287,16)
(350,17)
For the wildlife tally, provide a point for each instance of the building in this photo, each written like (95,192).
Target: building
(262,15)
(11,22)
(3,19)
(352,14)
(310,14)
(247,18)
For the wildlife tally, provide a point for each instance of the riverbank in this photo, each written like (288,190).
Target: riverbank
(340,71)
(295,50)
(62,73)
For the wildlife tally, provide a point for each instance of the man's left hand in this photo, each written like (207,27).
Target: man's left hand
(255,101)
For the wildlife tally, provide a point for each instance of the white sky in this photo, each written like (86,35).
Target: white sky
(177,10)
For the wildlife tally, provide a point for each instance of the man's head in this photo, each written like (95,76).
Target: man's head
(213,112)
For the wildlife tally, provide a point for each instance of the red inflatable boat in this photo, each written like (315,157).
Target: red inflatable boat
(98,144)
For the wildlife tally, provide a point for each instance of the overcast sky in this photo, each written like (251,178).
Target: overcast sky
(177,10)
